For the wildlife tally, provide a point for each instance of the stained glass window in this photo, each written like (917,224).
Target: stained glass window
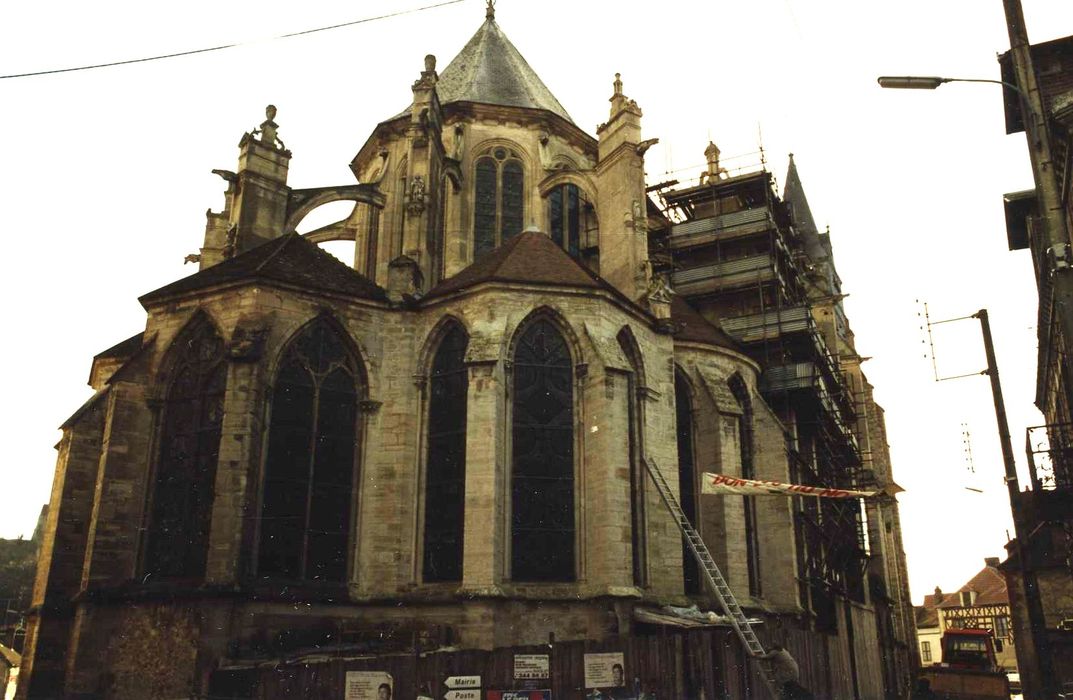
(565,204)
(542,484)
(687,476)
(499,211)
(309,471)
(445,476)
(484,224)
(511,209)
(184,483)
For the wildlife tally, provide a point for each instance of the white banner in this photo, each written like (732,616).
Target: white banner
(720,485)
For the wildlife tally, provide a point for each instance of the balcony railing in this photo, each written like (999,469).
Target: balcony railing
(1050,456)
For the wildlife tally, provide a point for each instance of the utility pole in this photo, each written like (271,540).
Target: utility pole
(1058,266)
(1029,584)
(1059,263)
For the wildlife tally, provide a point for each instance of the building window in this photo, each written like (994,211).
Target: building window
(966,599)
(687,476)
(748,471)
(500,194)
(542,479)
(925,652)
(445,475)
(564,215)
(309,470)
(1002,626)
(184,484)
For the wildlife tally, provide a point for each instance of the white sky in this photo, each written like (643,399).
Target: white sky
(106,177)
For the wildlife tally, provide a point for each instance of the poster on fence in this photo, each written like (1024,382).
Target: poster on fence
(369,685)
(531,666)
(604,671)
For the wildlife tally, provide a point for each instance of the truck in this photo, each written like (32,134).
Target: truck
(969,670)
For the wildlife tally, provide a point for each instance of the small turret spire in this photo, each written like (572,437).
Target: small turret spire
(490,11)
(618,83)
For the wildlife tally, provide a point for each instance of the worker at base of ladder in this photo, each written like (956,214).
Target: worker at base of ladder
(786,674)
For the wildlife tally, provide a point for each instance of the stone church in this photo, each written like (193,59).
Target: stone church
(433,458)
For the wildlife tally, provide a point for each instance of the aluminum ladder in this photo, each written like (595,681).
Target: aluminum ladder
(715,579)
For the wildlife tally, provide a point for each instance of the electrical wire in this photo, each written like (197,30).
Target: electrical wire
(230,46)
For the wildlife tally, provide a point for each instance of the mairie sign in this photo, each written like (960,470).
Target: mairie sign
(463,682)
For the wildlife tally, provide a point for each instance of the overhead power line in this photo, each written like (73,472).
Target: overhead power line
(231,46)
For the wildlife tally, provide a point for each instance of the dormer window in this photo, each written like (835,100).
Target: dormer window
(967,598)
(498,210)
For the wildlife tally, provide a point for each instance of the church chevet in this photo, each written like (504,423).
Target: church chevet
(508,451)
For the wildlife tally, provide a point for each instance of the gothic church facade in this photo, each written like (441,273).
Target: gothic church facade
(442,445)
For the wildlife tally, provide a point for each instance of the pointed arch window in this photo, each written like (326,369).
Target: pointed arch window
(310,467)
(568,215)
(748,471)
(445,476)
(687,475)
(635,444)
(500,199)
(184,483)
(542,477)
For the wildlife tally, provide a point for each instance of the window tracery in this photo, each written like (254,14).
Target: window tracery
(499,202)
(542,484)
(184,483)
(309,469)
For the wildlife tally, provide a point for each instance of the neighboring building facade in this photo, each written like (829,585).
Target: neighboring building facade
(982,603)
(930,629)
(1040,220)
(301,469)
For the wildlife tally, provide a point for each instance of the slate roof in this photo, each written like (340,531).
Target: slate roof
(490,70)
(690,325)
(926,616)
(291,259)
(528,258)
(124,348)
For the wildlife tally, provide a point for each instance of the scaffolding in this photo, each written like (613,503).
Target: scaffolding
(731,248)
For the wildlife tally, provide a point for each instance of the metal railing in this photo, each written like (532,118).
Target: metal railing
(1050,456)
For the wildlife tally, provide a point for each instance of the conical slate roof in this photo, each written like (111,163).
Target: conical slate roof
(490,70)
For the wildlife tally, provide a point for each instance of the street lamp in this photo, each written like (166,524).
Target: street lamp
(922,82)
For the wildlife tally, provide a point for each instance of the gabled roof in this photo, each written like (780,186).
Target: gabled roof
(691,326)
(489,70)
(528,258)
(290,259)
(989,585)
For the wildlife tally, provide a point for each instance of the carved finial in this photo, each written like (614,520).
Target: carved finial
(270,112)
(618,83)
(430,63)
(490,11)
